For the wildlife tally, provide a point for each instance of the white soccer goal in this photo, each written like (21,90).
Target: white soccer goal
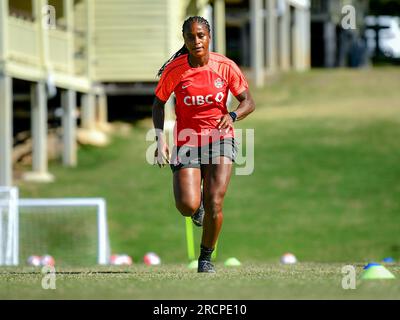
(72,230)
(8,226)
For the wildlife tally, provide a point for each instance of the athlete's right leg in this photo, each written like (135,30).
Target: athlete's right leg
(187,190)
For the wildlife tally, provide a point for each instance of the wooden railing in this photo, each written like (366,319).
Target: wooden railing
(23,41)
(80,61)
(25,47)
(58,50)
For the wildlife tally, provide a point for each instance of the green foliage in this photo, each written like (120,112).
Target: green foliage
(384,7)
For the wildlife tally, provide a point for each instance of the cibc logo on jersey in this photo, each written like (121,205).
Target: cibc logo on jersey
(201,100)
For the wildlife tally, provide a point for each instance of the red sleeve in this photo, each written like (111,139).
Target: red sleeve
(237,81)
(168,81)
(164,87)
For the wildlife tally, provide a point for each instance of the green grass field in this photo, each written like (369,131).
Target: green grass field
(175,281)
(325,187)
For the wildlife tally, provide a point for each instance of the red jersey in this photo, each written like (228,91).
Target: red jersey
(201,95)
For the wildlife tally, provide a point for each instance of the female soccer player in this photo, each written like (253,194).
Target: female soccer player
(203,136)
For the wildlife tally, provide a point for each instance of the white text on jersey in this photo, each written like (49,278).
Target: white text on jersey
(201,100)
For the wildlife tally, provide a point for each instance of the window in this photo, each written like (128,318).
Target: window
(22,9)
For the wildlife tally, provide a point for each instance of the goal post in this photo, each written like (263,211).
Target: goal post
(73,231)
(9,226)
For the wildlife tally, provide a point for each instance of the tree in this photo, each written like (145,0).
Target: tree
(384,7)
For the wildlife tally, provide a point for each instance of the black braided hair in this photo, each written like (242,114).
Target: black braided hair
(200,20)
(188,22)
(180,52)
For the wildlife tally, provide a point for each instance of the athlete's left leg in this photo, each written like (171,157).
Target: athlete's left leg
(216,177)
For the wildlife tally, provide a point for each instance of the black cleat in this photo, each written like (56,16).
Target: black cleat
(205,267)
(198,216)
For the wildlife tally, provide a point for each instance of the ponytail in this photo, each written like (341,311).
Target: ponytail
(180,52)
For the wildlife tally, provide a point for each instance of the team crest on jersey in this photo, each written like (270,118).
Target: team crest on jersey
(219,83)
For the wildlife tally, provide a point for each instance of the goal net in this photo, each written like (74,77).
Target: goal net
(73,231)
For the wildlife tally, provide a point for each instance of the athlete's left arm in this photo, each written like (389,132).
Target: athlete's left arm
(246,106)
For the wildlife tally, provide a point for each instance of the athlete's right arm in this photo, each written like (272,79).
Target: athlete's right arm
(161,154)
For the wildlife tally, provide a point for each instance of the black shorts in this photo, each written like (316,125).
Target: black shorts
(193,157)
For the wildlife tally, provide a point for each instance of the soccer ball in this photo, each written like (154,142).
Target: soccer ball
(34,261)
(151,259)
(120,260)
(288,258)
(47,260)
